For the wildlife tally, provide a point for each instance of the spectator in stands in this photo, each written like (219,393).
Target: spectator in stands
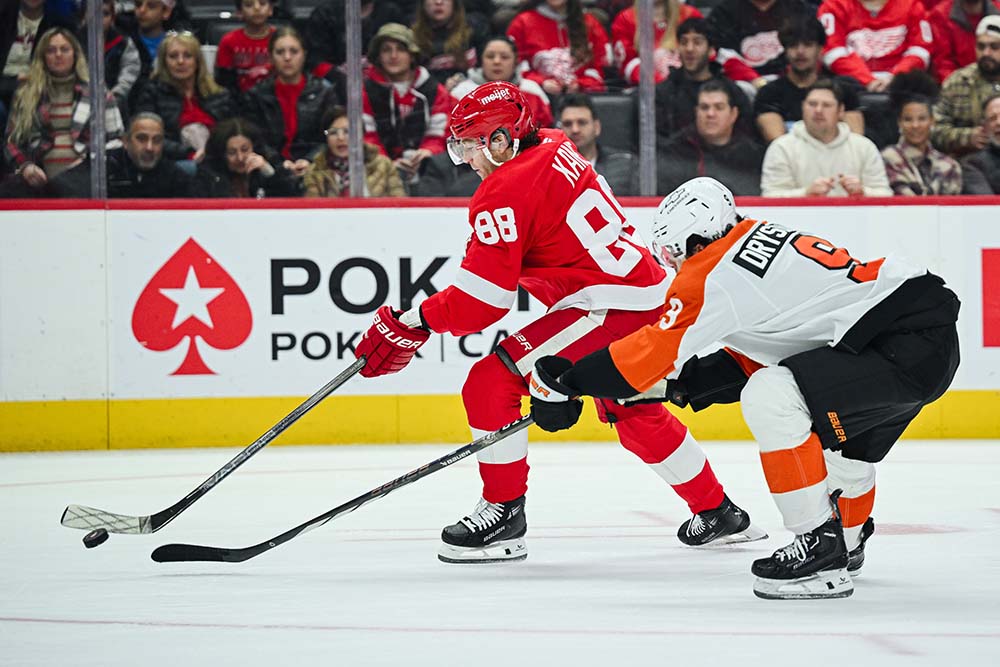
(180,17)
(151,17)
(325,31)
(122,64)
(953,24)
(139,170)
(748,30)
(579,121)
(981,170)
(677,97)
(778,105)
(440,177)
(667,15)
(876,39)
(234,167)
(405,109)
(447,39)
(244,58)
(48,130)
(504,12)
(711,147)
(958,114)
(498,62)
(328,175)
(21,24)
(562,48)
(912,165)
(290,104)
(821,157)
(183,93)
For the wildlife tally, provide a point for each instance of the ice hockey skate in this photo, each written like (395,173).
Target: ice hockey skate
(492,533)
(814,565)
(726,524)
(856,556)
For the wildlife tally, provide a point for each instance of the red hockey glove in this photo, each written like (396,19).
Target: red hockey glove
(388,345)
(554,405)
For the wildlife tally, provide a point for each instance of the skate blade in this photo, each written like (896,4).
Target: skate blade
(499,552)
(751,534)
(827,584)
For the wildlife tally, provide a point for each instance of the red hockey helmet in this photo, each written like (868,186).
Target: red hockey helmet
(494,106)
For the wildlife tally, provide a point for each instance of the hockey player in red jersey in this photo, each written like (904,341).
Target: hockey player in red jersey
(831,358)
(544,220)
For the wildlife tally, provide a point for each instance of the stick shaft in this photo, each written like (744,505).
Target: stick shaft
(191,552)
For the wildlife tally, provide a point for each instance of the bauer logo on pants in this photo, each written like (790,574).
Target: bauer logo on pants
(191,296)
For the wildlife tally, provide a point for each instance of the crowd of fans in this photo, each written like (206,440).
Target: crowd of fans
(769,96)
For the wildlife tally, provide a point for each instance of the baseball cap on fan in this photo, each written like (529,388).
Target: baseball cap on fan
(989,25)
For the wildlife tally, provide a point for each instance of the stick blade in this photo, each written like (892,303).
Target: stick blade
(185,553)
(82,517)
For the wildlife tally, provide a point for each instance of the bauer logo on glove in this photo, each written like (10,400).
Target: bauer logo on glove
(394,338)
(389,345)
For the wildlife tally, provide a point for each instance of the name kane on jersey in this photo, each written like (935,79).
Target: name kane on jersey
(568,162)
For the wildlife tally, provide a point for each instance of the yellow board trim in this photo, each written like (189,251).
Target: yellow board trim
(233,422)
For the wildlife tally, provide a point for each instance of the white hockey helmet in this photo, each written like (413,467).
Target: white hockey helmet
(702,207)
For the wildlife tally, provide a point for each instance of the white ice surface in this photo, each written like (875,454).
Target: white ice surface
(606,582)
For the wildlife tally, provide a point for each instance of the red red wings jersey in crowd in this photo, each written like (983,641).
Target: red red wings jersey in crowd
(249,57)
(623,34)
(897,39)
(623,31)
(543,43)
(546,221)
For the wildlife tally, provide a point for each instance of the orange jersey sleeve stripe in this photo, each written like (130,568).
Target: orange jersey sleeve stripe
(648,355)
(797,468)
(855,511)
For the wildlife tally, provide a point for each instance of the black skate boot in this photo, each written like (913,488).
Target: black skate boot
(814,565)
(856,556)
(494,532)
(726,524)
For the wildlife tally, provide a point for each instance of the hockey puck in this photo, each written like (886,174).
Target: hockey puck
(95,538)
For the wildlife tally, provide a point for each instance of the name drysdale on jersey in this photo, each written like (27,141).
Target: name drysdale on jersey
(760,248)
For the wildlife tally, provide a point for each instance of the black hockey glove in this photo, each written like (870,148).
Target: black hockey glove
(554,405)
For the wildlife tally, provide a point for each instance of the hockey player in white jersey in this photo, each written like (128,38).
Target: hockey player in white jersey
(830,356)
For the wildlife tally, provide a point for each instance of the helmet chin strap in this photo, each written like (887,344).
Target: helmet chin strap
(489,155)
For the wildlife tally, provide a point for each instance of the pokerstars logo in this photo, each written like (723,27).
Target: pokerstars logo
(191,297)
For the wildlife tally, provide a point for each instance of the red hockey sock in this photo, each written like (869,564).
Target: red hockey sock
(504,481)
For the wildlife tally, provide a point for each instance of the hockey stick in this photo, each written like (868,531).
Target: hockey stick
(89,518)
(172,553)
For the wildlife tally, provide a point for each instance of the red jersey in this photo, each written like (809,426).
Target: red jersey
(547,222)
(897,39)
(623,33)
(623,36)
(425,99)
(249,57)
(954,33)
(544,48)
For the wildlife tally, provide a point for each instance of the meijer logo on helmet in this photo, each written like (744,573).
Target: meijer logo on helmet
(494,96)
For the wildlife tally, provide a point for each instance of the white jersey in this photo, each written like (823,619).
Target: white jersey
(764,291)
